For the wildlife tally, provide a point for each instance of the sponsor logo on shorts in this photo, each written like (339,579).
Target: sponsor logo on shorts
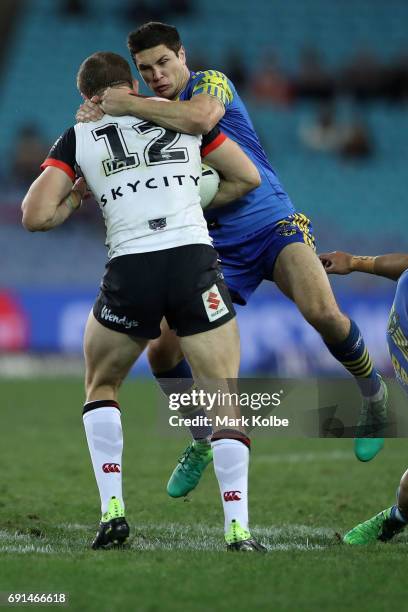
(110,468)
(108,315)
(214,304)
(287,229)
(213,301)
(232,496)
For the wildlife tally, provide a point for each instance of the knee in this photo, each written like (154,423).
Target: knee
(164,353)
(402,497)
(324,317)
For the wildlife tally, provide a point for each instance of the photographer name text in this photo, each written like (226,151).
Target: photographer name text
(225,421)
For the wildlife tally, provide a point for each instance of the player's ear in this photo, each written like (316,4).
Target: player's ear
(135,86)
(182,55)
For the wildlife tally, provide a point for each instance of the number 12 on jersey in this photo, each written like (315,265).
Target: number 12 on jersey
(159,150)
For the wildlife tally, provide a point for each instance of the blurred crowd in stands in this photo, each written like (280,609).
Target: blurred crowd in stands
(362,79)
(137,11)
(365,77)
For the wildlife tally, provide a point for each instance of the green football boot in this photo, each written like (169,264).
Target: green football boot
(239,539)
(189,469)
(373,421)
(113,528)
(383,526)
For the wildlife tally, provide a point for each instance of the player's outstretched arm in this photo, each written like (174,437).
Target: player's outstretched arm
(390,266)
(238,173)
(51,199)
(196,116)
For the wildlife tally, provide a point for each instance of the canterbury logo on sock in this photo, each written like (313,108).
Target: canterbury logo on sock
(232,496)
(110,467)
(356,345)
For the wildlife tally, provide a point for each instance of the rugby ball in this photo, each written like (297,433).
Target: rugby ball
(209,182)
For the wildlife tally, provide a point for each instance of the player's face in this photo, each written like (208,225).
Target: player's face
(162,70)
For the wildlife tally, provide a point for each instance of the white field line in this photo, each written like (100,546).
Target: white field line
(154,546)
(206,530)
(151,537)
(307,457)
(27,548)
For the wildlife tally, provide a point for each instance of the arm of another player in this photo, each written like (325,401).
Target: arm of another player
(390,266)
(51,199)
(195,116)
(238,173)
(210,96)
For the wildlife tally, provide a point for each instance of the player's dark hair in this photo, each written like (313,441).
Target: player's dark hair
(102,70)
(153,34)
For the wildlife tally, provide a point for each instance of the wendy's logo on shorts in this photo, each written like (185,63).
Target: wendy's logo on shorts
(109,468)
(108,315)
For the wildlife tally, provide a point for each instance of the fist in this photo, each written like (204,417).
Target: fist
(336,262)
(82,188)
(117,101)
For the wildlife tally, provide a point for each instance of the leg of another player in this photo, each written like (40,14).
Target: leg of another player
(214,358)
(402,497)
(300,275)
(109,355)
(384,525)
(173,374)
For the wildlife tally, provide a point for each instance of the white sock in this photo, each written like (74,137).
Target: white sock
(231,459)
(103,430)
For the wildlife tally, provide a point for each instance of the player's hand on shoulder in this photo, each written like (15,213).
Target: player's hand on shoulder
(117,101)
(89,111)
(336,262)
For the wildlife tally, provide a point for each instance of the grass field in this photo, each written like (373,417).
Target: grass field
(302,492)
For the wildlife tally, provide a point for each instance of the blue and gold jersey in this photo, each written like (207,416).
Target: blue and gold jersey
(397,331)
(263,206)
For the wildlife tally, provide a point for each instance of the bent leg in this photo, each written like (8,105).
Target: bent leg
(173,374)
(300,275)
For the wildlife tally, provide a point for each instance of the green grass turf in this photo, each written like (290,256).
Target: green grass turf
(301,493)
